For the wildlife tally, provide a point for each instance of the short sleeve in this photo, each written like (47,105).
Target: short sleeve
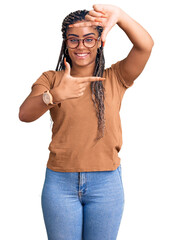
(115,82)
(46,79)
(116,68)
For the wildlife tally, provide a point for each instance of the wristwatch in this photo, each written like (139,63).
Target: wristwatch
(47,98)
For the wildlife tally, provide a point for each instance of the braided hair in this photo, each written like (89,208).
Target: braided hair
(97,88)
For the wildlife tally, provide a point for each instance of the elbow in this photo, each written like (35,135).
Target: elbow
(149,45)
(20,115)
(152,43)
(23,116)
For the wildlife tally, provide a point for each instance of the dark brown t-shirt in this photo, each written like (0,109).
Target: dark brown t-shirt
(74,147)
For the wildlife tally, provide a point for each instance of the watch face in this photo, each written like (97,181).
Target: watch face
(46,98)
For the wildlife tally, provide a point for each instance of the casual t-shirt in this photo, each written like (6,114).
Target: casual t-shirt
(74,147)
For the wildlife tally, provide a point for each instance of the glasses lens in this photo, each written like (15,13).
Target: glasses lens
(72,42)
(89,42)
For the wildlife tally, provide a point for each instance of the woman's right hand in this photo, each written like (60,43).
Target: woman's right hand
(71,87)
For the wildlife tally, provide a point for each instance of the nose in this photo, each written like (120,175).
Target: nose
(81,45)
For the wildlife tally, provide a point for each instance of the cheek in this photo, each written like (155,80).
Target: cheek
(94,52)
(70,53)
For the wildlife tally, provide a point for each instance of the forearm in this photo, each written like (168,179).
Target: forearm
(34,107)
(135,32)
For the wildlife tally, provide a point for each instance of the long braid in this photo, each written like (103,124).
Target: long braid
(97,89)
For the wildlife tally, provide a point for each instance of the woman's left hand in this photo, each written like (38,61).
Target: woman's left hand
(103,15)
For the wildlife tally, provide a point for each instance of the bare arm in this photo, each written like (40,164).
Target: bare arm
(70,87)
(132,66)
(107,16)
(33,107)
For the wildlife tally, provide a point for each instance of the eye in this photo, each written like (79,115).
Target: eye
(89,40)
(73,40)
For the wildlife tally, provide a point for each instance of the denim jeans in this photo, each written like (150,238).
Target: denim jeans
(82,205)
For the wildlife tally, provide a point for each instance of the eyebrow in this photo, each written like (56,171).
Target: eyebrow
(83,35)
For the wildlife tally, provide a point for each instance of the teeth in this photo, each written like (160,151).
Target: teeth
(81,55)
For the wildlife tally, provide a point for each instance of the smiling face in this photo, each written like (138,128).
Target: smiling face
(83,56)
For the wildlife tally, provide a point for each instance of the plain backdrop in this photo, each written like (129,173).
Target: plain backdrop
(31,39)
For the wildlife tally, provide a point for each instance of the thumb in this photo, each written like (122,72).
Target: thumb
(104,34)
(67,67)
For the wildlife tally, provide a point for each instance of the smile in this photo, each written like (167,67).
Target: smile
(81,55)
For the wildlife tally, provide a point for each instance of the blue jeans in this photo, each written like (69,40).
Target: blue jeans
(82,205)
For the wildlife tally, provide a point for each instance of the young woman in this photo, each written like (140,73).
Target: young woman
(83,196)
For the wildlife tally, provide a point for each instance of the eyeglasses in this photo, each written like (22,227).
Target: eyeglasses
(88,42)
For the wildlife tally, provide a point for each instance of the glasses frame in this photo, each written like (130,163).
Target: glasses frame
(82,39)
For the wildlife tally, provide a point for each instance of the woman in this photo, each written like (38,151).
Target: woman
(83,195)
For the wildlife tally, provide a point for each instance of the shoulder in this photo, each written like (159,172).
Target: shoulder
(114,72)
(53,76)
(113,67)
(49,74)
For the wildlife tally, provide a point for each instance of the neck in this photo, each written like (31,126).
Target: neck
(82,71)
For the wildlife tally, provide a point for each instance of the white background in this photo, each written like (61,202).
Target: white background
(31,39)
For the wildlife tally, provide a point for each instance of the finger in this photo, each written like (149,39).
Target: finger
(104,34)
(81,24)
(82,89)
(91,79)
(84,84)
(67,67)
(95,14)
(94,19)
(89,18)
(98,8)
(86,24)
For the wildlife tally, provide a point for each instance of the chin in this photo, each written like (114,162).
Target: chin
(81,63)
(82,60)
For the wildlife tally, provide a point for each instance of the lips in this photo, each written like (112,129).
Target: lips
(82,55)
